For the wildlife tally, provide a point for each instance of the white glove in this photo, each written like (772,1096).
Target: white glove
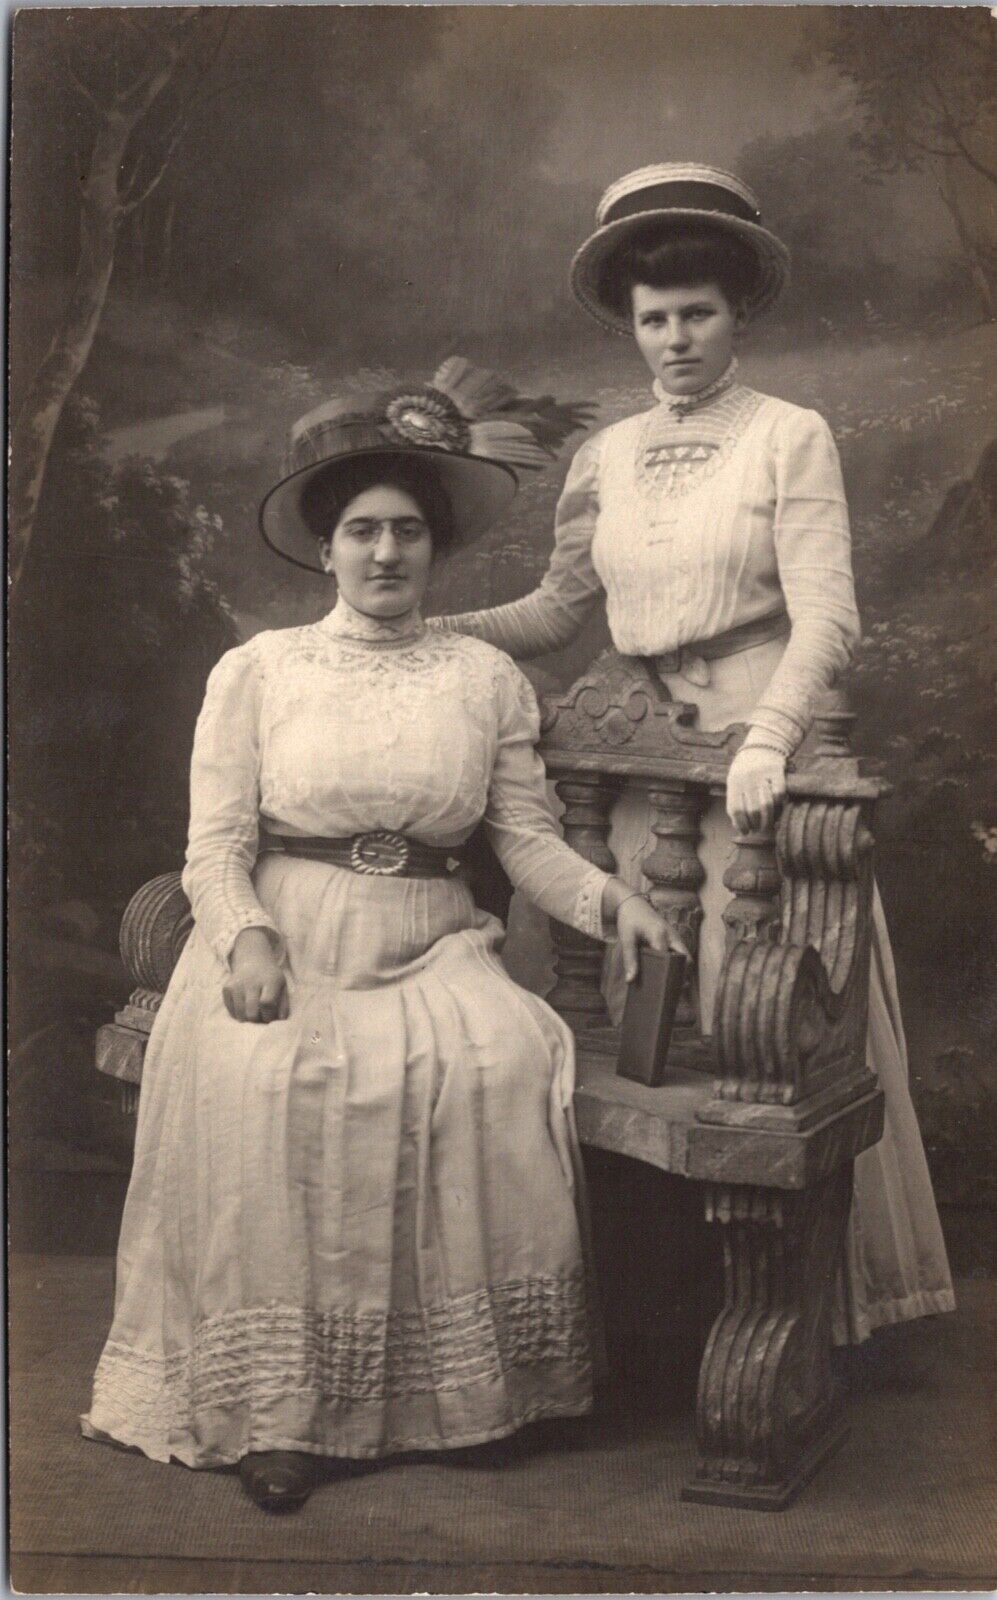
(756,788)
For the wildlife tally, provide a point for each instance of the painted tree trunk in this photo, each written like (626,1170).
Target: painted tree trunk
(102,208)
(979,267)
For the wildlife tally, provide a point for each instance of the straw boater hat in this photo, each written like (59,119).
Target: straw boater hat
(675,194)
(473,428)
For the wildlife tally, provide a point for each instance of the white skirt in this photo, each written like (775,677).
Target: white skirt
(355,1231)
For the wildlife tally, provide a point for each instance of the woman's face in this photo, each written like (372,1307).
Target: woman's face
(686,336)
(380,552)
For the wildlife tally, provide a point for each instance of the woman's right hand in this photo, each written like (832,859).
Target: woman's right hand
(256,990)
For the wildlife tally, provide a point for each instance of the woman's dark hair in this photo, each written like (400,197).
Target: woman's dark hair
(662,257)
(326,496)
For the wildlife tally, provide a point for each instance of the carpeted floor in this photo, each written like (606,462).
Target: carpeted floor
(908,1503)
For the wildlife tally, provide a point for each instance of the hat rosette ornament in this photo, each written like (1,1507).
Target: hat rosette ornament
(477,431)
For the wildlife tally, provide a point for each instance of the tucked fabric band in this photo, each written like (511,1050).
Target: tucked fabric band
(664,196)
(380,853)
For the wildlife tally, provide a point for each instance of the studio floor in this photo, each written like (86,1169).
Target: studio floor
(595,1507)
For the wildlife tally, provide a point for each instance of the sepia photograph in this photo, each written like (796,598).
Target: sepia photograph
(502,826)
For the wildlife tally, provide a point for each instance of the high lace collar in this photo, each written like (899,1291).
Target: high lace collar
(680,405)
(345,622)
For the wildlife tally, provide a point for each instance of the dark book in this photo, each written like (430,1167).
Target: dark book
(648,1016)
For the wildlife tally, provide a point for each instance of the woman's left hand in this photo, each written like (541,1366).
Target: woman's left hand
(756,788)
(638,923)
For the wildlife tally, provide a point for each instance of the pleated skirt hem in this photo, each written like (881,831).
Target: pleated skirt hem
(104,1427)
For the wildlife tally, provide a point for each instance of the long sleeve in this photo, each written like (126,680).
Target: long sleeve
(554,613)
(813,552)
(520,824)
(224,806)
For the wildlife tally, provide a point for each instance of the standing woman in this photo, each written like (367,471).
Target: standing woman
(352,1224)
(715,526)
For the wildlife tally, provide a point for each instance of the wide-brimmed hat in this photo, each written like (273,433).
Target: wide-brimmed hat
(675,194)
(473,429)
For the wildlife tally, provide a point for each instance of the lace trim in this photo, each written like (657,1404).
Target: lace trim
(672,458)
(345,622)
(378,661)
(262,1354)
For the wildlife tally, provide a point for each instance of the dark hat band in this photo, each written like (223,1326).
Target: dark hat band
(680,196)
(327,440)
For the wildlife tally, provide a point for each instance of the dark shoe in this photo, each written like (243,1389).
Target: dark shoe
(278,1480)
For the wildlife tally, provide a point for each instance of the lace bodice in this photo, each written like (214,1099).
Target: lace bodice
(695,522)
(335,728)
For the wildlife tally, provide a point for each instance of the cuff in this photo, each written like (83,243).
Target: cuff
(588,916)
(774,731)
(223,941)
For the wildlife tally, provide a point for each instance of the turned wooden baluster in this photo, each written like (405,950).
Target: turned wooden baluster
(676,875)
(577,993)
(753,880)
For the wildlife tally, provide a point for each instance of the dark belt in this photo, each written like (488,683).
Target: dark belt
(731,643)
(379,854)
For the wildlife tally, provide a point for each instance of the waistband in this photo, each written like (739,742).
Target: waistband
(690,657)
(379,853)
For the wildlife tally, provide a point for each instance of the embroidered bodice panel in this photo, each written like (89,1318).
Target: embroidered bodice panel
(674,526)
(322,733)
(692,525)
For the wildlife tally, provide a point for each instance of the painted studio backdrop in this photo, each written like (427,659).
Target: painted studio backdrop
(218,214)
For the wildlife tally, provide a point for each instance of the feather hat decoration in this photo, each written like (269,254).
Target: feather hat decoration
(474,428)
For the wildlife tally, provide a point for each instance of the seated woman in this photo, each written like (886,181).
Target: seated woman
(352,1226)
(715,527)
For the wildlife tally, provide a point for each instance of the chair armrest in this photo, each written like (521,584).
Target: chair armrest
(791,1013)
(154,929)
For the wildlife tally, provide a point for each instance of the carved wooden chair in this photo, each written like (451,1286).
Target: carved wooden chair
(768,1113)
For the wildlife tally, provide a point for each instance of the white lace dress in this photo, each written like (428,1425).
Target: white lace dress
(355,1231)
(691,519)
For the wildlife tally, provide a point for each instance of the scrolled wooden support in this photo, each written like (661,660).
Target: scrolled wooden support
(768,1412)
(791,1016)
(154,929)
(578,960)
(676,876)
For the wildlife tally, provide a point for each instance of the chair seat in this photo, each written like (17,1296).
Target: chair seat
(649,1124)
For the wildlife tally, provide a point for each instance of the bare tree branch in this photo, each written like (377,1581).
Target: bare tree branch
(978,166)
(209,60)
(135,198)
(131,19)
(956,133)
(134,193)
(77,82)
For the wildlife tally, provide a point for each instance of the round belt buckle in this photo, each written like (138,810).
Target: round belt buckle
(382,854)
